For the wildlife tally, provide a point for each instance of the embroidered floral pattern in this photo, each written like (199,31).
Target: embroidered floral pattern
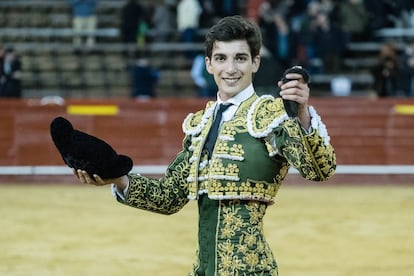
(241,246)
(314,159)
(264,115)
(167,195)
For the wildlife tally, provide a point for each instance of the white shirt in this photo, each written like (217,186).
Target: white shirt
(235,101)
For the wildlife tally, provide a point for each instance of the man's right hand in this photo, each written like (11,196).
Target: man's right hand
(84,178)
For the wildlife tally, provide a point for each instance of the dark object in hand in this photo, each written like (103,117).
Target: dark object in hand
(80,150)
(291,107)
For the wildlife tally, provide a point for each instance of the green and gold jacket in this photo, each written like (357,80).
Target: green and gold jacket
(252,155)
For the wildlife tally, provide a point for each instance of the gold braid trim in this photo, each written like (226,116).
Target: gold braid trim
(194,123)
(265,114)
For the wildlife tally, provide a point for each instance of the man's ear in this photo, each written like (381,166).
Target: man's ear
(208,65)
(256,64)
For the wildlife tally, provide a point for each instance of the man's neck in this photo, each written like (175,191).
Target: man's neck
(239,97)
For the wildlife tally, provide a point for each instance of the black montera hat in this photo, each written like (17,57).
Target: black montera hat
(80,150)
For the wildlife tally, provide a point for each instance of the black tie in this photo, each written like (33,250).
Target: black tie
(212,135)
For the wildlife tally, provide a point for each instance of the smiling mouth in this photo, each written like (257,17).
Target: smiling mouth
(231,80)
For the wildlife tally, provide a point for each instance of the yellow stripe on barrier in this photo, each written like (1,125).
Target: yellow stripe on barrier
(404,109)
(92,109)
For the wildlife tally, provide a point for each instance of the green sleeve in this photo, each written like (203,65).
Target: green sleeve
(310,154)
(166,195)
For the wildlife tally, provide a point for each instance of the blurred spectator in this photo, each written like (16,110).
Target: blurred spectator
(276,32)
(328,6)
(407,71)
(266,23)
(188,19)
(283,40)
(163,20)
(226,7)
(131,15)
(306,51)
(330,44)
(208,15)
(296,12)
(207,87)
(10,79)
(144,79)
(270,71)
(252,9)
(377,16)
(84,19)
(386,72)
(1,69)
(354,19)
(142,33)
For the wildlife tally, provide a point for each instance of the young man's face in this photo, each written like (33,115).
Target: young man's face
(232,66)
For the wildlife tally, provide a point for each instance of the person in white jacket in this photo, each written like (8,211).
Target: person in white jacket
(188,19)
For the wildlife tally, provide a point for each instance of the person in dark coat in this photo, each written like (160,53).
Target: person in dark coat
(386,72)
(143,79)
(330,43)
(11,84)
(131,15)
(1,69)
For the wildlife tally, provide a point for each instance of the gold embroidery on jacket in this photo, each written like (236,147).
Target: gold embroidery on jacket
(261,118)
(315,159)
(264,115)
(241,246)
(166,196)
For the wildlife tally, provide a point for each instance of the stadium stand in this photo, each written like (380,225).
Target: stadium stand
(40,31)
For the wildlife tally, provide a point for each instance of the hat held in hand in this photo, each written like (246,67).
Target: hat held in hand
(80,150)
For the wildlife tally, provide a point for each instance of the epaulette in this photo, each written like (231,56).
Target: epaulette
(195,122)
(265,114)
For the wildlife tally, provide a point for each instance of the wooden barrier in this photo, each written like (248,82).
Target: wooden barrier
(363,131)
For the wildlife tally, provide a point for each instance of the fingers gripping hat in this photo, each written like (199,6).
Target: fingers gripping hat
(291,107)
(80,150)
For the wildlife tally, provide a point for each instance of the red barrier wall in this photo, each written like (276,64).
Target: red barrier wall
(363,131)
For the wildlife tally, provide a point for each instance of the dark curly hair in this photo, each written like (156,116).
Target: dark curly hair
(234,28)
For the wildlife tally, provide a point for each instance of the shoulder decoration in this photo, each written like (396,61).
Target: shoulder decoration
(195,122)
(264,115)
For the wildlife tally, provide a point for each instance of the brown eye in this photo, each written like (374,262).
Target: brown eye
(219,58)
